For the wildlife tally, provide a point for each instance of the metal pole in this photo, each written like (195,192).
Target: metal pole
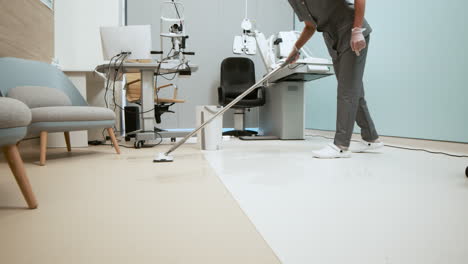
(246,9)
(227,107)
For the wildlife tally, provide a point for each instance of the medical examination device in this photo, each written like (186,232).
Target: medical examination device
(174,29)
(134,42)
(246,43)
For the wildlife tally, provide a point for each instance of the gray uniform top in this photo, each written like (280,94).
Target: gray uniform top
(333,17)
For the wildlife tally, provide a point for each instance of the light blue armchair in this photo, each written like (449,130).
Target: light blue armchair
(56,105)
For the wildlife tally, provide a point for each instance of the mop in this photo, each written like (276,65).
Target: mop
(165,157)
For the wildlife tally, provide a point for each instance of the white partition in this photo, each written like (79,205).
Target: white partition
(77,23)
(78,49)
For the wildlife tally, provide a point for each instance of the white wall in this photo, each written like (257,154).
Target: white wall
(77,23)
(212,25)
(78,50)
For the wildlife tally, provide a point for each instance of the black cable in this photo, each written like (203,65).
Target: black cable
(116,105)
(157,144)
(159,74)
(177,11)
(144,146)
(156,94)
(108,78)
(119,56)
(174,74)
(123,146)
(429,151)
(169,53)
(406,148)
(119,69)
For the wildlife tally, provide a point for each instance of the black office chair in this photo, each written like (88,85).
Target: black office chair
(238,75)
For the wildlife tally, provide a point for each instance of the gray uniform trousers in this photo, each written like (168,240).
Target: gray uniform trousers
(352,106)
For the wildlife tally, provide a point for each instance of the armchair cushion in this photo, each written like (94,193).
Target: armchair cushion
(71,114)
(13,113)
(14,118)
(37,96)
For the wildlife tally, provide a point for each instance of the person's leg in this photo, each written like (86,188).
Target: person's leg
(364,120)
(350,92)
(331,150)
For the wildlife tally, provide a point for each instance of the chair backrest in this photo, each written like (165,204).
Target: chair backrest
(16,72)
(36,96)
(237,75)
(133,90)
(133,87)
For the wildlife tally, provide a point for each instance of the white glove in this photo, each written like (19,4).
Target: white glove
(294,55)
(358,42)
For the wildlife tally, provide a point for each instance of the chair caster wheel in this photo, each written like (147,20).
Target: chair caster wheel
(466,172)
(173,139)
(139,144)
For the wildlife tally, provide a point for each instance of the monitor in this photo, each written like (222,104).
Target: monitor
(134,39)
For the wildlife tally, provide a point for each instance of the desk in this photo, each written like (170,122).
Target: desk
(148,70)
(283,114)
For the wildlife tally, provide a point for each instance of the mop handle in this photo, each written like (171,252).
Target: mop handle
(227,107)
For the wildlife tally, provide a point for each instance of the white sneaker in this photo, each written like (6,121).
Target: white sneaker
(331,151)
(364,146)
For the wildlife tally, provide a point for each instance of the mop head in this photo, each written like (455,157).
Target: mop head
(162,157)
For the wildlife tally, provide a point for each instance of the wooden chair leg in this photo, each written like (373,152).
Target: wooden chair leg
(43,157)
(17,167)
(67,140)
(114,140)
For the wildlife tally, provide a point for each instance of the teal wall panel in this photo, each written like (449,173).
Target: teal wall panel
(416,78)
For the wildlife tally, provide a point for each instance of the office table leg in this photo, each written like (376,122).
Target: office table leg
(147,105)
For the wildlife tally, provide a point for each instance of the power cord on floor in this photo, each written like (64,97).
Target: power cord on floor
(100,143)
(406,148)
(103,143)
(123,146)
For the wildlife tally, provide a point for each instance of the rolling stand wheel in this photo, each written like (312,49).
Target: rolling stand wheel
(139,144)
(173,139)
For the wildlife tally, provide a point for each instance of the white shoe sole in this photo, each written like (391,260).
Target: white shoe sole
(369,149)
(339,157)
(331,152)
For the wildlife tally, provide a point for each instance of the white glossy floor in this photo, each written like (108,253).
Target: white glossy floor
(397,206)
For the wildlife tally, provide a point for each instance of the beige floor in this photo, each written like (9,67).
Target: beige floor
(97,207)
